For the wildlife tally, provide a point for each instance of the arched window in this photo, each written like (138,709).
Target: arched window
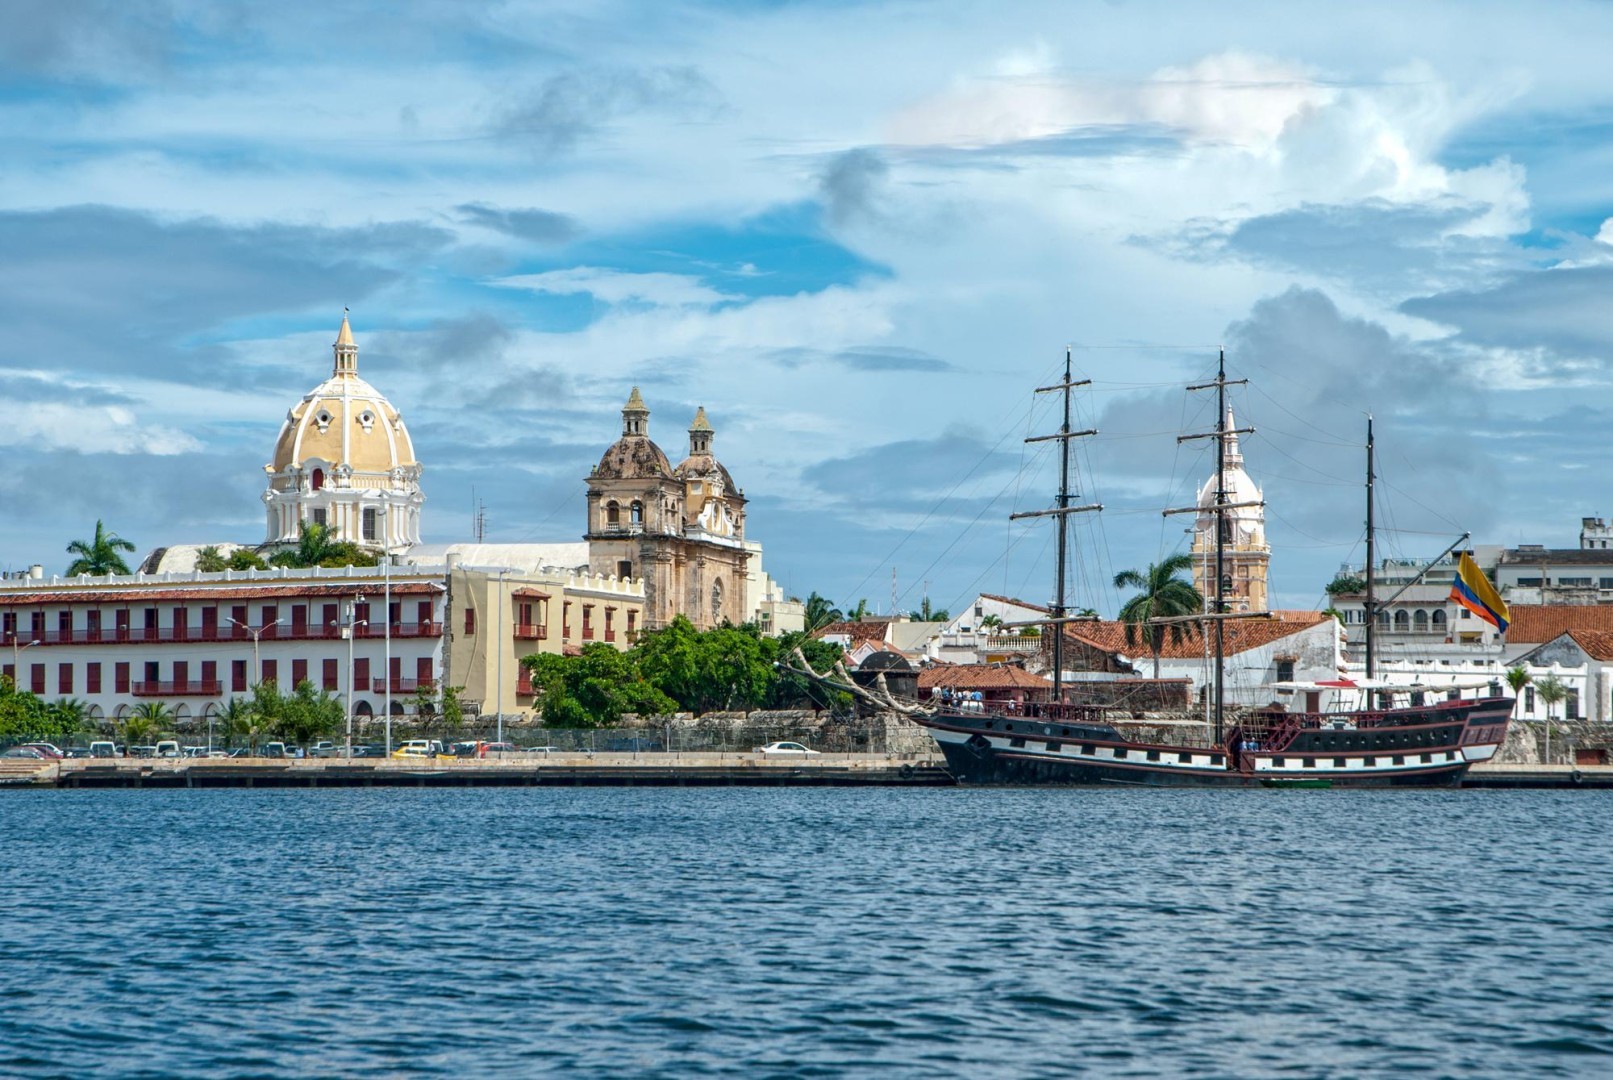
(1383,619)
(638,513)
(1402,621)
(613,514)
(318,480)
(1420,619)
(1439,620)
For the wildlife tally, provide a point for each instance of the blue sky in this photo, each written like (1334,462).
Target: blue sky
(857,233)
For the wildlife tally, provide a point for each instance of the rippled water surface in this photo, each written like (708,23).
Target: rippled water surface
(805,933)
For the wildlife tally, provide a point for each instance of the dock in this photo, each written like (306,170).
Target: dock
(516,770)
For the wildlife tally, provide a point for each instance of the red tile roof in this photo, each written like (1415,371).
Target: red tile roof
(1534,624)
(1598,644)
(1241,635)
(865,630)
(981,677)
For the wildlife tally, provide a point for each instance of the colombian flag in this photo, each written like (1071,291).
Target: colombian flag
(1473,591)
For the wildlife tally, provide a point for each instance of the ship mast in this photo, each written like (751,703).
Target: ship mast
(1222,585)
(1062,511)
(1371,602)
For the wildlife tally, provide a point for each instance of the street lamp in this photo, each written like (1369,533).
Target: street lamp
(350,632)
(16,660)
(498,636)
(256,632)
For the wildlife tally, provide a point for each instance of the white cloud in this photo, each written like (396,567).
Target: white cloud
(95,429)
(619,287)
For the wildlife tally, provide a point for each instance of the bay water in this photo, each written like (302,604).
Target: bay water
(805,932)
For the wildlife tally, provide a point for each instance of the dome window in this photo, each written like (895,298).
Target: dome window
(317,481)
(366,420)
(323,419)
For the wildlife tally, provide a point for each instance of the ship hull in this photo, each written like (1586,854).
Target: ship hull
(1424,747)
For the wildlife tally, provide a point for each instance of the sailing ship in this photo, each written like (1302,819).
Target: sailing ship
(1379,743)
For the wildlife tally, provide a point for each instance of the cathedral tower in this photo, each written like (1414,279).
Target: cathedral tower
(1247,556)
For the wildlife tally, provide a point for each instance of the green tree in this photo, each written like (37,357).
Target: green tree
(25,716)
(594,688)
(209,561)
(235,718)
(247,718)
(1163,595)
(148,721)
(1550,690)
(307,714)
(1333,613)
(820,612)
(927,614)
(991,622)
(1517,678)
(860,612)
(1346,584)
(316,547)
(100,555)
(246,559)
(71,714)
(791,691)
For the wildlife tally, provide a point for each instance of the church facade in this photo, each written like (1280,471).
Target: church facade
(680,530)
(1246,556)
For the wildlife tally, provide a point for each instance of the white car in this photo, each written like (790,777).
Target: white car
(786,748)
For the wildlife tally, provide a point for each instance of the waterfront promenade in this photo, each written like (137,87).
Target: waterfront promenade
(514,770)
(606,770)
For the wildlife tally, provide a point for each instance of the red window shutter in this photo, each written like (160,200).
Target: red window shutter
(237,676)
(92,678)
(299,673)
(330,675)
(271,671)
(422,669)
(470,620)
(120,678)
(361,673)
(64,678)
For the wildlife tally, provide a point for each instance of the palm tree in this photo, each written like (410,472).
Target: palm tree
(71,711)
(99,556)
(1551,690)
(1163,595)
(1517,678)
(820,612)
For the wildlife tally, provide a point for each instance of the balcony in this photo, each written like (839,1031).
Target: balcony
(403,686)
(168,635)
(523,683)
(531,631)
(191,688)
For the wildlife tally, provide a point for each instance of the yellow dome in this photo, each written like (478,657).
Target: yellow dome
(344,421)
(344,459)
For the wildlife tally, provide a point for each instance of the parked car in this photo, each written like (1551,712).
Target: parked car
(142,751)
(273,750)
(369,750)
(419,748)
(493,748)
(324,748)
(166,748)
(544,750)
(103,749)
(46,749)
(76,752)
(786,748)
(27,753)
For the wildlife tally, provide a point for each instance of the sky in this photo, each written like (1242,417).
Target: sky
(859,234)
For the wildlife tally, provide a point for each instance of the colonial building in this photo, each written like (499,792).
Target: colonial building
(344,460)
(1246,556)
(679,530)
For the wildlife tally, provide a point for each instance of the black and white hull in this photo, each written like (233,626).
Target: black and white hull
(1415,747)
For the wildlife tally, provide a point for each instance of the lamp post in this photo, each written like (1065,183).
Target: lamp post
(498,632)
(386,617)
(256,632)
(351,630)
(16,660)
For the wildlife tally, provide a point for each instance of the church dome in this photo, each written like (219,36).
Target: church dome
(1249,521)
(344,443)
(634,456)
